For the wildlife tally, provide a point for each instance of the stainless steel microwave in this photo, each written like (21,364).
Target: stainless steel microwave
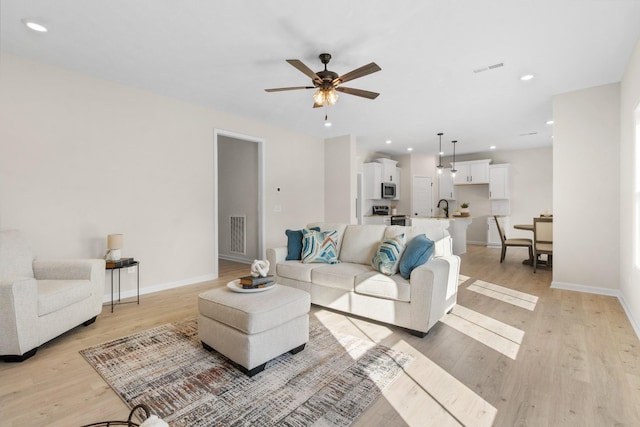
(388,190)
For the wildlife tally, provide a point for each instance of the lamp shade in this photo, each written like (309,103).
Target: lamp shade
(114,241)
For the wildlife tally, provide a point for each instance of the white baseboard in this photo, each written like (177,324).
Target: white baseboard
(601,291)
(132,293)
(586,289)
(235,259)
(477,242)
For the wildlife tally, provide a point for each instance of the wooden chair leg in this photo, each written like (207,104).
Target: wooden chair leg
(504,250)
(535,261)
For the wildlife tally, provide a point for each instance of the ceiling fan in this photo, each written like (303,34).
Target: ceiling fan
(328,82)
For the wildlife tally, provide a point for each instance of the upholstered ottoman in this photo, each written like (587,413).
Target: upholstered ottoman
(253,328)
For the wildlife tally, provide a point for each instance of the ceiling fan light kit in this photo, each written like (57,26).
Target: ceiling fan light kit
(328,82)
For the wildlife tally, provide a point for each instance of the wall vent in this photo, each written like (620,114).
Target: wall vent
(237,231)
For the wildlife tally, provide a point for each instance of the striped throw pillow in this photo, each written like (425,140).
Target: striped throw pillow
(388,255)
(319,246)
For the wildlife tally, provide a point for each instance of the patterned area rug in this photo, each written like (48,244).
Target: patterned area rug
(331,382)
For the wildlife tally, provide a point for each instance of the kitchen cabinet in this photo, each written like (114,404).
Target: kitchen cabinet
(397,182)
(446,188)
(389,170)
(472,172)
(499,181)
(493,236)
(372,180)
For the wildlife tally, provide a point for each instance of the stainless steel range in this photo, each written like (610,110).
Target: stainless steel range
(380,210)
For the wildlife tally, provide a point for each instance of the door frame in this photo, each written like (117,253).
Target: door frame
(261,173)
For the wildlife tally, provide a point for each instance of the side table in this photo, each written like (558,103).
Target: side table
(133,263)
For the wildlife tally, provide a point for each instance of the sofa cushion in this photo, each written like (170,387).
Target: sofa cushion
(418,251)
(295,270)
(54,295)
(319,246)
(379,285)
(340,276)
(387,257)
(294,243)
(439,236)
(360,243)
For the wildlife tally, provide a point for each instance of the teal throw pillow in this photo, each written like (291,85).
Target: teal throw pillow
(388,255)
(418,251)
(319,246)
(294,244)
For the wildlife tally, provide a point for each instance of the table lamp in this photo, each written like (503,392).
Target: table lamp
(114,244)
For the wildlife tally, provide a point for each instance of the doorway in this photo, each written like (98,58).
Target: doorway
(238,197)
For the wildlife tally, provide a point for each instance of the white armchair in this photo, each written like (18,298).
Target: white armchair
(40,300)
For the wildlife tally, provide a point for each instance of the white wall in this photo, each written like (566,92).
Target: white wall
(340,170)
(81,158)
(586,188)
(629,212)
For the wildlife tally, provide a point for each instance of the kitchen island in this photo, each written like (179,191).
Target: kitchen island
(455,225)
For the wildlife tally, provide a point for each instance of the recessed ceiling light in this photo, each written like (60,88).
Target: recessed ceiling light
(493,147)
(550,122)
(327,124)
(35,26)
(409,149)
(526,77)
(388,141)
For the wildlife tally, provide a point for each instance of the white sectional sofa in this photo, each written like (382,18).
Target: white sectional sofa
(353,286)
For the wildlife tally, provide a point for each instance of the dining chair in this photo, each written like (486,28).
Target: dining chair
(542,240)
(523,243)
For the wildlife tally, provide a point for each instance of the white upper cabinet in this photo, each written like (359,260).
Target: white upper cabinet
(389,170)
(472,172)
(446,189)
(499,181)
(372,180)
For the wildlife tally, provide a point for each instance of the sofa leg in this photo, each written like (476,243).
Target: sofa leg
(12,358)
(297,349)
(90,321)
(418,334)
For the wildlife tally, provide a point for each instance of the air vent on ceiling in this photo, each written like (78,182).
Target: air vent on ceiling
(528,134)
(488,67)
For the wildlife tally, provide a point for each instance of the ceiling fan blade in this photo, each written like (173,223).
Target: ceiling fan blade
(306,70)
(358,92)
(280,89)
(357,73)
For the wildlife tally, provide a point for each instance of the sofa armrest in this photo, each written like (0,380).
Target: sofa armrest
(434,290)
(274,256)
(18,316)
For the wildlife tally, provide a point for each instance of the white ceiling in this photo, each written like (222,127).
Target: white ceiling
(224,53)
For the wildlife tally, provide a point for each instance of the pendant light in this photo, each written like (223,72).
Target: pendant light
(440,154)
(453,165)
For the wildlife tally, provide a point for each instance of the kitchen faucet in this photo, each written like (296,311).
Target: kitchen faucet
(446,207)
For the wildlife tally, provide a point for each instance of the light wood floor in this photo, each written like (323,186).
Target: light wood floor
(501,358)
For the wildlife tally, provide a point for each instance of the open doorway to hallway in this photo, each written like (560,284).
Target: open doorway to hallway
(239,207)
